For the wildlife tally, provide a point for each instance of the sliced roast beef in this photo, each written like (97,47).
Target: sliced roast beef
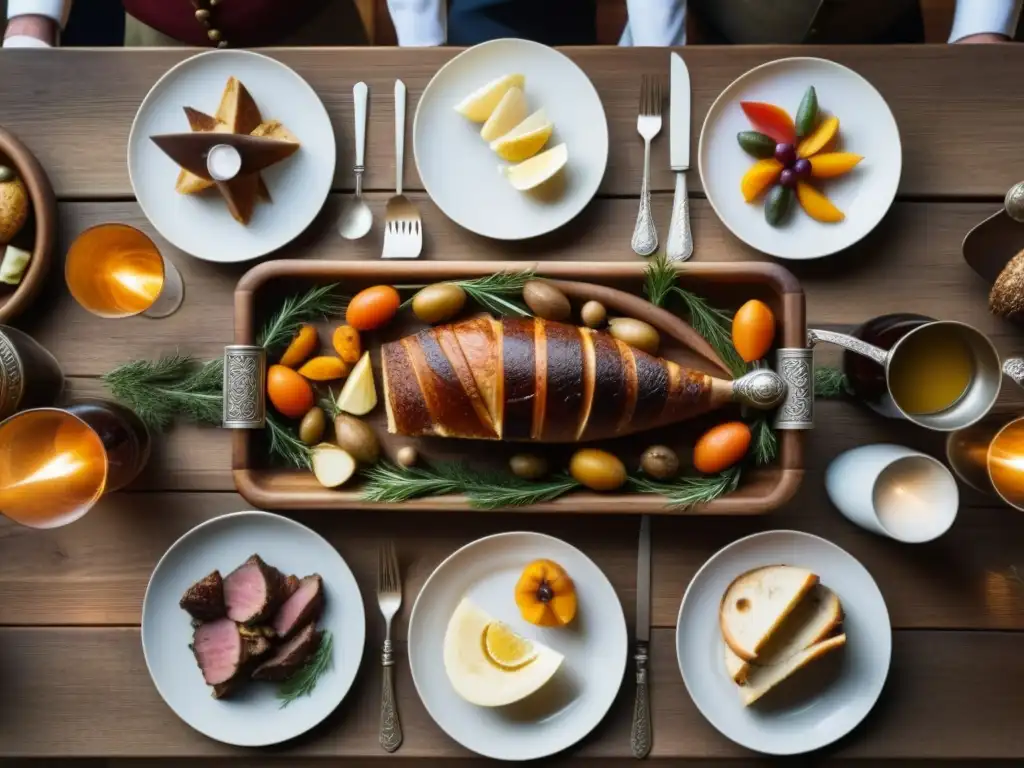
(219,650)
(252,592)
(301,608)
(290,657)
(204,600)
(291,583)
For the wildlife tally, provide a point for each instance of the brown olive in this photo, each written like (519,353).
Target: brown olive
(598,470)
(311,428)
(528,466)
(546,301)
(636,333)
(660,462)
(356,437)
(438,302)
(593,314)
(407,456)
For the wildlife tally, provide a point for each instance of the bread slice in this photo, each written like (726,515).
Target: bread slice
(814,618)
(756,603)
(760,680)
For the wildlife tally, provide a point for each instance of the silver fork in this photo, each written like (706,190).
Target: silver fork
(403,230)
(648,125)
(389,596)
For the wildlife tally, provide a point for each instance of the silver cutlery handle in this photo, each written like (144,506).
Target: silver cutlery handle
(680,239)
(640,735)
(645,237)
(360,93)
(390,725)
(399,134)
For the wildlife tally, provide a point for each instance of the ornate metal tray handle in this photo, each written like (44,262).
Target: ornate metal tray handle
(245,405)
(796,367)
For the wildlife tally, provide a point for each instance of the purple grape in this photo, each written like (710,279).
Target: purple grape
(802,168)
(785,154)
(788,178)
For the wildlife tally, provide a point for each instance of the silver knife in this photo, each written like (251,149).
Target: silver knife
(679,245)
(640,736)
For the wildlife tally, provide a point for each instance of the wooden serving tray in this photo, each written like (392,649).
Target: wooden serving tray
(725,285)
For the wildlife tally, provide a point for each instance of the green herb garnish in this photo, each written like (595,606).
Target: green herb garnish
(766,443)
(305,679)
(496,293)
(175,386)
(689,491)
(285,445)
(830,383)
(322,301)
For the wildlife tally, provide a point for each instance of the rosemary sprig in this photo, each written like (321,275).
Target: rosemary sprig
(284,444)
(766,444)
(689,491)
(173,386)
(496,293)
(321,301)
(659,280)
(830,383)
(305,679)
(484,490)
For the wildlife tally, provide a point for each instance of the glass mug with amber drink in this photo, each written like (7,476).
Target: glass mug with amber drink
(989,457)
(114,270)
(56,463)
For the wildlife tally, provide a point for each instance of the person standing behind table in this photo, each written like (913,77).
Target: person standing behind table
(208,23)
(663,22)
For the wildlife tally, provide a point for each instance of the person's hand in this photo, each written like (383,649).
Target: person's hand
(42,28)
(983,37)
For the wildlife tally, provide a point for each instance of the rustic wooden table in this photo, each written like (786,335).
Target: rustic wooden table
(71,668)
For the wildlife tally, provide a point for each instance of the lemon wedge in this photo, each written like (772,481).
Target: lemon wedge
(507,649)
(479,105)
(526,139)
(359,395)
(535,171)
(509,113)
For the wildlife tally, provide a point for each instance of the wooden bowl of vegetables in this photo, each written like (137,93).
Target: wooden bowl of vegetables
(28,226)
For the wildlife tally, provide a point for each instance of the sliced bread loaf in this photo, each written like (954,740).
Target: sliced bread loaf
(760,680)
(757,602)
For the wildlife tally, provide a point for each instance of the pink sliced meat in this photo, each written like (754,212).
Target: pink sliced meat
(291,656)
(253,591)
(219,650)
(303,607)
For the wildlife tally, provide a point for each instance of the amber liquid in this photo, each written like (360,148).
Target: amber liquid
(114,270)
(1006,463)
(56,463)
(931,371)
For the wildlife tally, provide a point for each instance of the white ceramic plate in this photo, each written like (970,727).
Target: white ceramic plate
(866,127)
(461,173)
(595,647)
(253,716)
(824,709)
(200,224)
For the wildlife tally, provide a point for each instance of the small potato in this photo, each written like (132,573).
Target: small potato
(356,437)
(438,302)
(660,462)
(311,428)
(528,466)
(598,470)
(636,333)
(546,301)
(593,314)
(407,456)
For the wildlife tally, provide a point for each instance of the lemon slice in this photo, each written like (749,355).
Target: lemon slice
(507,649)
(509,113)
(479,105)
(526,139)
(359,395)
(539,169)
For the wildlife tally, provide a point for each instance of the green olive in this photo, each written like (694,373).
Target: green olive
(660,462)
(636,333)
(528,466)
(311,428)
(438,302)
(546,301)
(356,437)
(6,174)
(598,470)
(593,314)
(407,456)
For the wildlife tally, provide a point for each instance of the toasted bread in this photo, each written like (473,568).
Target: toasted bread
(199,122)
(760,680)
(814,618)
(237,108)
(756,603)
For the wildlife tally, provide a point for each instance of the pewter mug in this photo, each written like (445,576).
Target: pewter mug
(981,393)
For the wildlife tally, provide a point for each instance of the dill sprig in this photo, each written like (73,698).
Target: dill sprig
(285,445)
(496,293)
(159,391)
(689,491)
(483,489)
(659,280)
(321,301)
(830,383)
(766,444)
(306,677)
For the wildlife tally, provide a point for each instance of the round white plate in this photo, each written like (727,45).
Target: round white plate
(461,173)
(866,127)
(595,647)
(253,716)
(779,724)
(200,224)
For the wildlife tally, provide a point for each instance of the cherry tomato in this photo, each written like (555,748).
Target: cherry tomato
(290,394)
(372,307)
(753,329)
(721,447)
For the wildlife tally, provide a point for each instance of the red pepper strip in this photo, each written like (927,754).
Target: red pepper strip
(771,120)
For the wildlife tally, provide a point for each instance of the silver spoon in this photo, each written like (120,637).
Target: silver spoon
(356,217)
(1014,202)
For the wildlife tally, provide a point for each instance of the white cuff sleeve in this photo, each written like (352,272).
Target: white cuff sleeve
(419,23)
(975,17)
(655,23)
(24,41)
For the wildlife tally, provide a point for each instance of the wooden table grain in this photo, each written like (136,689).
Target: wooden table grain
(74,681)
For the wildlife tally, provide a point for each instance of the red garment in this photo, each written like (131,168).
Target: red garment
(243,23)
